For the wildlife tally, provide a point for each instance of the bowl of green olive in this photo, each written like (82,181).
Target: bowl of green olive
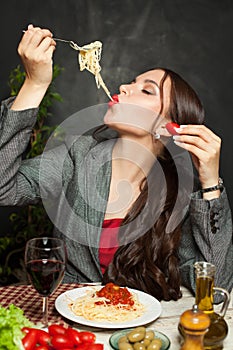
(139,338)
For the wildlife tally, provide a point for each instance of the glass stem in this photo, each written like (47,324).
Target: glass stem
(45,311)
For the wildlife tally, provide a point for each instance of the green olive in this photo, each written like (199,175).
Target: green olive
(125,346)
(157,341)
(149,335)
(135,336)
(140,329)
(123,339)
(145,342)
(139,346)
(155,344)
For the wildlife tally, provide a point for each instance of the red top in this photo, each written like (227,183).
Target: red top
(108,241)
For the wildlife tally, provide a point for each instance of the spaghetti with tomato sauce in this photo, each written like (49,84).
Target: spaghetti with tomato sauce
(110,303)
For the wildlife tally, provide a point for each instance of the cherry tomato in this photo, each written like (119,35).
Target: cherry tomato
(83,346)
(87,337)
(61,341)
(171,128)
(30,339)
(42,347)
(96,346)
(43,337)
(74,335)
(56,329)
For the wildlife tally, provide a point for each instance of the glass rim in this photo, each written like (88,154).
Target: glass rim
(202,266)
(46,238)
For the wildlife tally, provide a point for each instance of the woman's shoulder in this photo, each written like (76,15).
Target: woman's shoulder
(88,141)
(80,143)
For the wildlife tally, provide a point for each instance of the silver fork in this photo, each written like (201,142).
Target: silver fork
(71,43)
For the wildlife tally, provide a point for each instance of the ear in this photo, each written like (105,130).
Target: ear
(162,131)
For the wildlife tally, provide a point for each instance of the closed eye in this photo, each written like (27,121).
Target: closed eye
(147,92)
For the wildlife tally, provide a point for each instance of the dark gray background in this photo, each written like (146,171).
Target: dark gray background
(192,37)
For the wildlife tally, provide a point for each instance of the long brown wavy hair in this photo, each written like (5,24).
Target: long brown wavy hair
(147,258)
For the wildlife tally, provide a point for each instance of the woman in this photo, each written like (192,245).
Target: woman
(119,204)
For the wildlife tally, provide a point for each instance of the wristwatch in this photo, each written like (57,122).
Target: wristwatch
(219,186)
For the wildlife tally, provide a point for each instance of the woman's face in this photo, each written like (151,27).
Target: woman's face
(140,104)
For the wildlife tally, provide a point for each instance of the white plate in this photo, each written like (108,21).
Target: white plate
(152,309)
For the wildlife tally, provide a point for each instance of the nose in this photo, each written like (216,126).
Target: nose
(125,89)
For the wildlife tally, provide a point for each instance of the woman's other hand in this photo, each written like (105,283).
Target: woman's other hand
(204,147)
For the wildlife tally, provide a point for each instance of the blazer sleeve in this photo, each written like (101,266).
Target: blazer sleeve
(207,236)
(24,182)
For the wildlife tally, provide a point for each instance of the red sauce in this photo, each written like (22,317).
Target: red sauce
(115,294)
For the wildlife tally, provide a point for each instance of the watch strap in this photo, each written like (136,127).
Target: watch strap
(219,186)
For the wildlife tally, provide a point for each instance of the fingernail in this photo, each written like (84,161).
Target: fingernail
(177,130)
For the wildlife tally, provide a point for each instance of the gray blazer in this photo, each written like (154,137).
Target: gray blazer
(73,182)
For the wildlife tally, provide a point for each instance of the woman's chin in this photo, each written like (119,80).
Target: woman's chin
(109,117)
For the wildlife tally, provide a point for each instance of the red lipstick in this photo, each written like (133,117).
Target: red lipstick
(115,100)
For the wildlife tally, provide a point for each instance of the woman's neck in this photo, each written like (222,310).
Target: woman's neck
(132,159)
(131,163)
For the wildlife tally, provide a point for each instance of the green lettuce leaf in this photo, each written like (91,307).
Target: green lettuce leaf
(12,320)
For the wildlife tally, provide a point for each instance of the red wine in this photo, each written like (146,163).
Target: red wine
(45,275)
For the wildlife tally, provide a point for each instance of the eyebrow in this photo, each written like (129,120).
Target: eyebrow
(152,82)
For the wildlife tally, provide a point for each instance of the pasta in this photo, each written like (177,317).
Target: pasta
(98,305)
(89,58)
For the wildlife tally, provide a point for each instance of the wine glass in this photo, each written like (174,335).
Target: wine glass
(45,259)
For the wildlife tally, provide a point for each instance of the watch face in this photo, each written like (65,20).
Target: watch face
(220,181)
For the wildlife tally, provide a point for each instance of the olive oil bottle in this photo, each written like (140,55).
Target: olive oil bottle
(204,299)
(205,291)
